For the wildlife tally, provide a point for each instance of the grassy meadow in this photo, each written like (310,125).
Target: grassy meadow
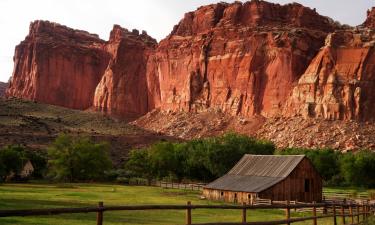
(32,196)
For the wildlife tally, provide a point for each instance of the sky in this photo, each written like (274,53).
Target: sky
(157,17)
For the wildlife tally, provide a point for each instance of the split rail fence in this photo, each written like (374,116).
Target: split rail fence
(349,213)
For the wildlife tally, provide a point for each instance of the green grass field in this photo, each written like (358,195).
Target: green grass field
(32,196)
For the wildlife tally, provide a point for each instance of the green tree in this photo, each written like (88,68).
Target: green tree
(139,164)
(12,159)
(325,161)
(359,169)
(78,159)
(39,162)
(202,159)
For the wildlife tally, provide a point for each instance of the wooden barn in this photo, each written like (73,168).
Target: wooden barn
(275,177)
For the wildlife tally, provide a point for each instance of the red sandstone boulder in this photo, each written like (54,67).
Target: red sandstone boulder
(340,81)
(58,65)
(123,90)
(242,59)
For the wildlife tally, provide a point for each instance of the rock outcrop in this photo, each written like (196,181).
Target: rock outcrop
(242,59)
(58,65)
(370,21)
(123,90)
(339,83)
(3,87)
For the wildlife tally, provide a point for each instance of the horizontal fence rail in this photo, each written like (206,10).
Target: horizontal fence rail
(347,212)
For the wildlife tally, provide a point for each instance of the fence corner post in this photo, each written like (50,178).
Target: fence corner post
(99,214)
(314,213)
(244,213)
(287,212)
(188,213)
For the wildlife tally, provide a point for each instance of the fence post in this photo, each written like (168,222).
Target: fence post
(363,210)
(357,207)
(334,214)
(287,212)
(99,214)
(351,212)
(244,213)
(314,213)
(343,213)
(188,213)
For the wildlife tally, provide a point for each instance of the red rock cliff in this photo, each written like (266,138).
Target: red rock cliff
(370,21)
(340,81)
(253,58)
(237,58)
(58,65)
(123,90)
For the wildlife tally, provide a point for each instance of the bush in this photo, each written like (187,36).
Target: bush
(78,159)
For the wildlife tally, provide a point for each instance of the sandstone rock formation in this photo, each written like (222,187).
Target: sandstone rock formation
(122,90)
(3,87)
(58,65)
(339,83)
(242,59)
(370,21)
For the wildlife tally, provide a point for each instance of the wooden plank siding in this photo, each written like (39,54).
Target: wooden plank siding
(230,196)
(291,188)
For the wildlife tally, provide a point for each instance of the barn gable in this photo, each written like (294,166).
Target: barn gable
(256,173)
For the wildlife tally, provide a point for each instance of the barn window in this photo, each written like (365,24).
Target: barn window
(235,195)
(307,185)
(222,193)
(249,196)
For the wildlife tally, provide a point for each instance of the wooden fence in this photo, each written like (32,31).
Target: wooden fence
(349,213)
(186,186)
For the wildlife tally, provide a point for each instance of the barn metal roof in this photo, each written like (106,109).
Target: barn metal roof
(255,173)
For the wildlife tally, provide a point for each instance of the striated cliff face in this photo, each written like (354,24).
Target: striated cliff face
(123,90)
(58,65)
(242,59)
(339,83)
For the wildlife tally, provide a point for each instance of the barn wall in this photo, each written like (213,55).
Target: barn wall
(229,196)
(293,187)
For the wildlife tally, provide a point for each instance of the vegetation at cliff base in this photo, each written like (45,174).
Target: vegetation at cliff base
(201,159)
(78,159)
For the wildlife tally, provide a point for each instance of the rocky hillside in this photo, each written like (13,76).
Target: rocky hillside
(253,61)
(3,87)
(36,125)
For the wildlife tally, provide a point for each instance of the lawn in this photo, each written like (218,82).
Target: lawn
(31,196)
